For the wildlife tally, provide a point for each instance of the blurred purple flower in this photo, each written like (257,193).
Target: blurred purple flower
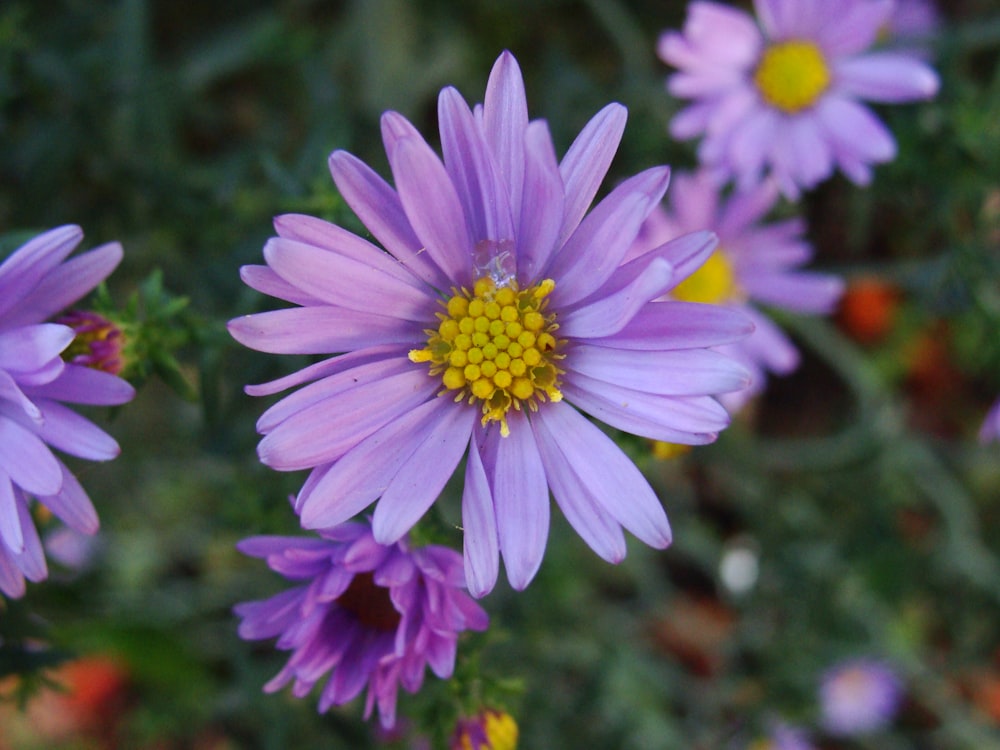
(35,384)
(783,97)
(367,613)
(755,263)
(497,299)
(490,729)
(859,696)
(782,736)
(991,425)
(912,20)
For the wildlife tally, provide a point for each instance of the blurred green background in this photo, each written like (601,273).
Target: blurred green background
(855,486)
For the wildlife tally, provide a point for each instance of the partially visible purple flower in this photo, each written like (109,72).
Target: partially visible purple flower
(781,736)
(99,343)
(859,696)
(36,282)
(754,264)
(991,425)
(490,729)
(783,98)
(497,302)
(365,613)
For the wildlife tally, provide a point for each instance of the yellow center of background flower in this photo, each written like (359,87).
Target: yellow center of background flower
(500,730)
(496,346)
(792,75)
(714,283)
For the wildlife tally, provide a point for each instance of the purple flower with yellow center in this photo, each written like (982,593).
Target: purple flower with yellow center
(36,383)
(495,303)
(490,729)
(991,425)
(754,264)
(364,613)
(859,696)
(784,97)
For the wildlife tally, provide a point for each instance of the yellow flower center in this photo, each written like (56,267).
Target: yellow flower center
(792,75)
(714,283)
(496,345)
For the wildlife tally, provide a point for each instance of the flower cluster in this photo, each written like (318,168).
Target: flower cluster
(42,369)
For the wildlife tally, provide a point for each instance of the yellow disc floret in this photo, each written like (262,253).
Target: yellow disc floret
(792,75)
(496,345)
(714,283)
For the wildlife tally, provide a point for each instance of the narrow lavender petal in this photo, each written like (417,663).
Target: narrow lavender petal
(672,324)
(321,330)
(378,206)
(855,131)
(66,284)
(348,282)
(858,27)
(322,234)
(768,347)
(886,77)
(801,291)
(31,560)
(505,118)
(599,244)
(30,263)
(265,546)
(27,460)
(481,545)
(356,370)
(611,477)
(31,347)
(744,209)
(327,367)
(329,429)
(685,254)
(71,504)
(470,165)
(587,161)
(11,579)
(78,384)
(10,523)
(423,475)
(585,514)
(266,281)
(542,210)
(43,375)
(521,499)
(12,394)
(433,207)
(810,155)
(67,431)
(687,372)
(356,480)
(689,420)
(613,308)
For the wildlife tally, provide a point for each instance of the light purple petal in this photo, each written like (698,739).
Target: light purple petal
(585,514)
(613,308)
(27,460)
(855,132)
(67,431)
(11,536)
(521,499)
(423,475)
(433,207)
(801,291)
(266,281)
(587,161)
(328,367)
(481,546)
(886,77)
(357,479)
(687,372)
(31,347)
(71,504)
(505,118)
(321,330)
(78,384)
(378,206)
(324,432)
(689,420)
(681,325)
(542,209)
(857,28)
(11,393)
(611,477)
(29,264)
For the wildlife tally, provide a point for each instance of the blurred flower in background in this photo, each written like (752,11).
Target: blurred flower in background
(370,615)
(490,729)
(782,736)
(754,264)
(859,696)
(783,98)
(500,297)
(991,425)
(36,382)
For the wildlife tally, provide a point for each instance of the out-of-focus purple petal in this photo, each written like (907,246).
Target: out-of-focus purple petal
(681,325)
(27,460)
(887,77)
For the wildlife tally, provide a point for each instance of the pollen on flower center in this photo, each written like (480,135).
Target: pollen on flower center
(792,75)
(497,346)
(714,283)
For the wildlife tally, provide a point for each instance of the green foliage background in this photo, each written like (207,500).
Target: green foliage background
(180,128)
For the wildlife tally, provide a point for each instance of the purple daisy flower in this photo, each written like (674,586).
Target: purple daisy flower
(36,282)
(496,304)
(367,613)
(755,263)
(784,97)
(991,425)
(859,696)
